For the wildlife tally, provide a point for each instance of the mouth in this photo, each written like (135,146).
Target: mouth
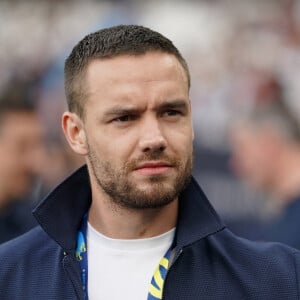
(153,168)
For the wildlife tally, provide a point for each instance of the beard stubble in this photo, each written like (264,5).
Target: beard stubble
(116,184)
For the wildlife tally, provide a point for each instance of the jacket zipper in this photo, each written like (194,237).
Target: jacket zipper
(69,265)
(172,261)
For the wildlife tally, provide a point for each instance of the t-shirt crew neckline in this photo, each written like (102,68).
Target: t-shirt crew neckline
(141,244)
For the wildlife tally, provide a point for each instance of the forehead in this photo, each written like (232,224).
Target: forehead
(145,68)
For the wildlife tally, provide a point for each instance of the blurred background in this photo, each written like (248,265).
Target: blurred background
(244,57)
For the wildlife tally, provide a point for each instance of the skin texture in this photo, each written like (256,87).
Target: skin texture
(137,139)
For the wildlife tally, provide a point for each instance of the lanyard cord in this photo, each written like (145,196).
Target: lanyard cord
(158,278)
(81,255)
(157,282)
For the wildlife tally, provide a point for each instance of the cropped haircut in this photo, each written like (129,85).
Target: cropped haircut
(109,43)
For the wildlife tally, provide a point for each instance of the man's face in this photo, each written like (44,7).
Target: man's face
(137,129)
(21,147)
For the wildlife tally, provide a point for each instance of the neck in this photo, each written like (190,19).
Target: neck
(122,223)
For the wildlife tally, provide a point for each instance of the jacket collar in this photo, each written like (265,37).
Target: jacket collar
(196,217)
(61,212)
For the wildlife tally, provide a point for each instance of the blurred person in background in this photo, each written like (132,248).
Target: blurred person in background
(266,154)
(21,150)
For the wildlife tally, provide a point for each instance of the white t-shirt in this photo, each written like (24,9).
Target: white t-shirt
(123,269)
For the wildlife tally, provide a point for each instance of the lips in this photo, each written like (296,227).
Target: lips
(153,167)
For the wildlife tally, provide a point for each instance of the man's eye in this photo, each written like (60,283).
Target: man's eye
(171,113)
(124,118)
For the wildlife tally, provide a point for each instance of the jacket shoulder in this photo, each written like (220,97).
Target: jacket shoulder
(27,250)
(226,238)
(267,265)
(225,266)
(33,267)
(25,242)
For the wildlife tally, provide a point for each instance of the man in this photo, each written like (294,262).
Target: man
(266,154)
(21,145)
(132,225)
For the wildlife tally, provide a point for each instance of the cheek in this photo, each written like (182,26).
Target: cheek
(182,143)
(114,151)
(124,142)
(181,146)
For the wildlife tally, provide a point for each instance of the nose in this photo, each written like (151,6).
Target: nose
(151,136)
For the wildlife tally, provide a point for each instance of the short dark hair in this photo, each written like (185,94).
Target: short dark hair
(107,43)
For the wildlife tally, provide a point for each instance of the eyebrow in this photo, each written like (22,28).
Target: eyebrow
(176,104)
(120,110)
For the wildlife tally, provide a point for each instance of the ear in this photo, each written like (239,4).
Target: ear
(74,131)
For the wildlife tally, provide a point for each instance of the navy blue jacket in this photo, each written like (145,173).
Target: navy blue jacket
(285,229)
(210,262)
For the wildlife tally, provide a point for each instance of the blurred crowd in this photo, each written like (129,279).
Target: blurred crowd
(244,58)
